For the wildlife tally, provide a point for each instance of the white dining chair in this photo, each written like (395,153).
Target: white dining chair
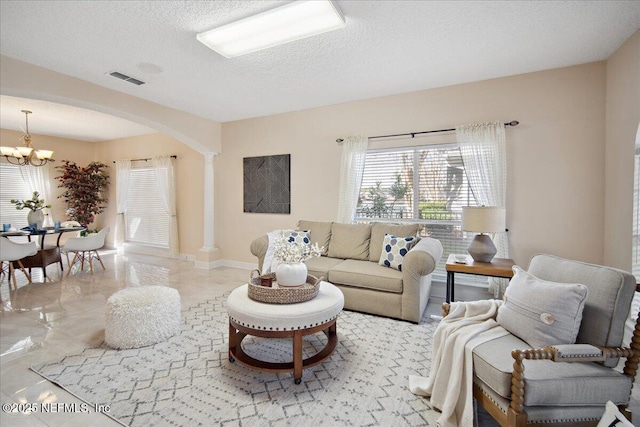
(85,249)
(12,251)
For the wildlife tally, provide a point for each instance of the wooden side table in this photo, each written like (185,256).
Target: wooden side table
(498,267)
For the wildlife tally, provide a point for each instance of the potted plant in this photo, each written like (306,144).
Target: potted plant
(83,187)
(35,206)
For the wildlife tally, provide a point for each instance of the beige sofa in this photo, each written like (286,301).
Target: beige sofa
(350,261)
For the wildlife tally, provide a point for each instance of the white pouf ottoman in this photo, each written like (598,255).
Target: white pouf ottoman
(142,316)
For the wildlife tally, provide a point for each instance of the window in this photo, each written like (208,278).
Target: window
(12,186)
(147,222)
(425,184)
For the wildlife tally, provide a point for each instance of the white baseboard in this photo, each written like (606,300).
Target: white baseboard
(159,252)
(226,263)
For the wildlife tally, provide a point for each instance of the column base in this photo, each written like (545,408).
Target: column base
(207,258)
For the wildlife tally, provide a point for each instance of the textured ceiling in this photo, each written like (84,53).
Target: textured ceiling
(387,47)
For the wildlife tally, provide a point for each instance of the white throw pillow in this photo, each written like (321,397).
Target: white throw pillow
(540,312)
(394,249)
(613,418)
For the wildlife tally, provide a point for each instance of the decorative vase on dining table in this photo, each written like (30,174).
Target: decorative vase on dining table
(36,217)
(291,274)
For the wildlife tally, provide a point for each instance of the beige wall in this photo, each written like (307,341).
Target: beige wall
(622,118)
(81,152)
(555,157)
(189,175)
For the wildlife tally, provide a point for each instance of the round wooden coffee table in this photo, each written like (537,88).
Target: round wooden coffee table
(249,317)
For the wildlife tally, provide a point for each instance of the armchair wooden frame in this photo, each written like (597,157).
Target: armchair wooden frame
(516,415)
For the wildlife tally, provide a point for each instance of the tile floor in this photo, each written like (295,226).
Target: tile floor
(44,321)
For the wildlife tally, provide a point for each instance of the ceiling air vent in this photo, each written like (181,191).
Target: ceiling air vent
(126,78)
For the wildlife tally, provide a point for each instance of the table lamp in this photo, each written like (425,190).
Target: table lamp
(483,219)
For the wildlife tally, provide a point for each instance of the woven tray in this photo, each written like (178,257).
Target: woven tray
(283,295)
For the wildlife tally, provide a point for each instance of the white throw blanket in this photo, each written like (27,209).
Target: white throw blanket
(269,264)
(450,382)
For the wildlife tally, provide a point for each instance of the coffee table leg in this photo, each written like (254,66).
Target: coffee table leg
(297,357)
(232,342)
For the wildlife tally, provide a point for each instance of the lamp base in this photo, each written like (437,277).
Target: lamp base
(482,248)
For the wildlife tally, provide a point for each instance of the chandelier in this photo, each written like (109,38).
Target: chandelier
(26,155)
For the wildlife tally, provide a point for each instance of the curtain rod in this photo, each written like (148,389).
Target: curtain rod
(413,134)
(148,158)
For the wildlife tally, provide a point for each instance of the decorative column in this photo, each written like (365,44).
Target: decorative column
(209,253)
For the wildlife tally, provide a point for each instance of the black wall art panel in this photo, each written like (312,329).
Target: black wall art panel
(267,184)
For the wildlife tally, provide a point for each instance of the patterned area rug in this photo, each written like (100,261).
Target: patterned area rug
(188,380)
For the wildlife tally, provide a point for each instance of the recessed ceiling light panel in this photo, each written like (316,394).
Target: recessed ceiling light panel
(293,21)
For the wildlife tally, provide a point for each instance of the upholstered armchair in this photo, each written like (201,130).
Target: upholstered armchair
(562,384)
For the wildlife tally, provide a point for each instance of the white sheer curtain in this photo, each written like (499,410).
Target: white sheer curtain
(37,179)
(483,150)
(123,171)
(351,169)
(165,180)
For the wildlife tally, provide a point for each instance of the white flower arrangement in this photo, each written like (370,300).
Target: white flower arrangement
(289,252)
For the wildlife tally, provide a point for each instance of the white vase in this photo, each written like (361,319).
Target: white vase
(291,274)
(35,217)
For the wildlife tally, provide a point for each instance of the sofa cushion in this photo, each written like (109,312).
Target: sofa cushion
(379,229)
(320,233)
(320,266)
(541,312)
(366,275)
(350,241)
(548,383)
(394,249)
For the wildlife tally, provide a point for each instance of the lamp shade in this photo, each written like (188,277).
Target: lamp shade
(483,219)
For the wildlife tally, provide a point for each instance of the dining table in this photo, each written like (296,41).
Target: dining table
(47,254)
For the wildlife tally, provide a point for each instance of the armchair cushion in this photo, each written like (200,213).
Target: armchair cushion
(608,302)
(541,312)
(549,383)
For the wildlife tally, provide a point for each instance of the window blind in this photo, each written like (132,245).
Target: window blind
(147,223)
(12,186)
(427,185)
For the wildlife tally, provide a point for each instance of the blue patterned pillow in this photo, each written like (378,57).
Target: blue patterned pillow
(394,249)
(301,237)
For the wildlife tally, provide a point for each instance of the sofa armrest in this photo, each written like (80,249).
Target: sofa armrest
(422,259)
(259,248)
